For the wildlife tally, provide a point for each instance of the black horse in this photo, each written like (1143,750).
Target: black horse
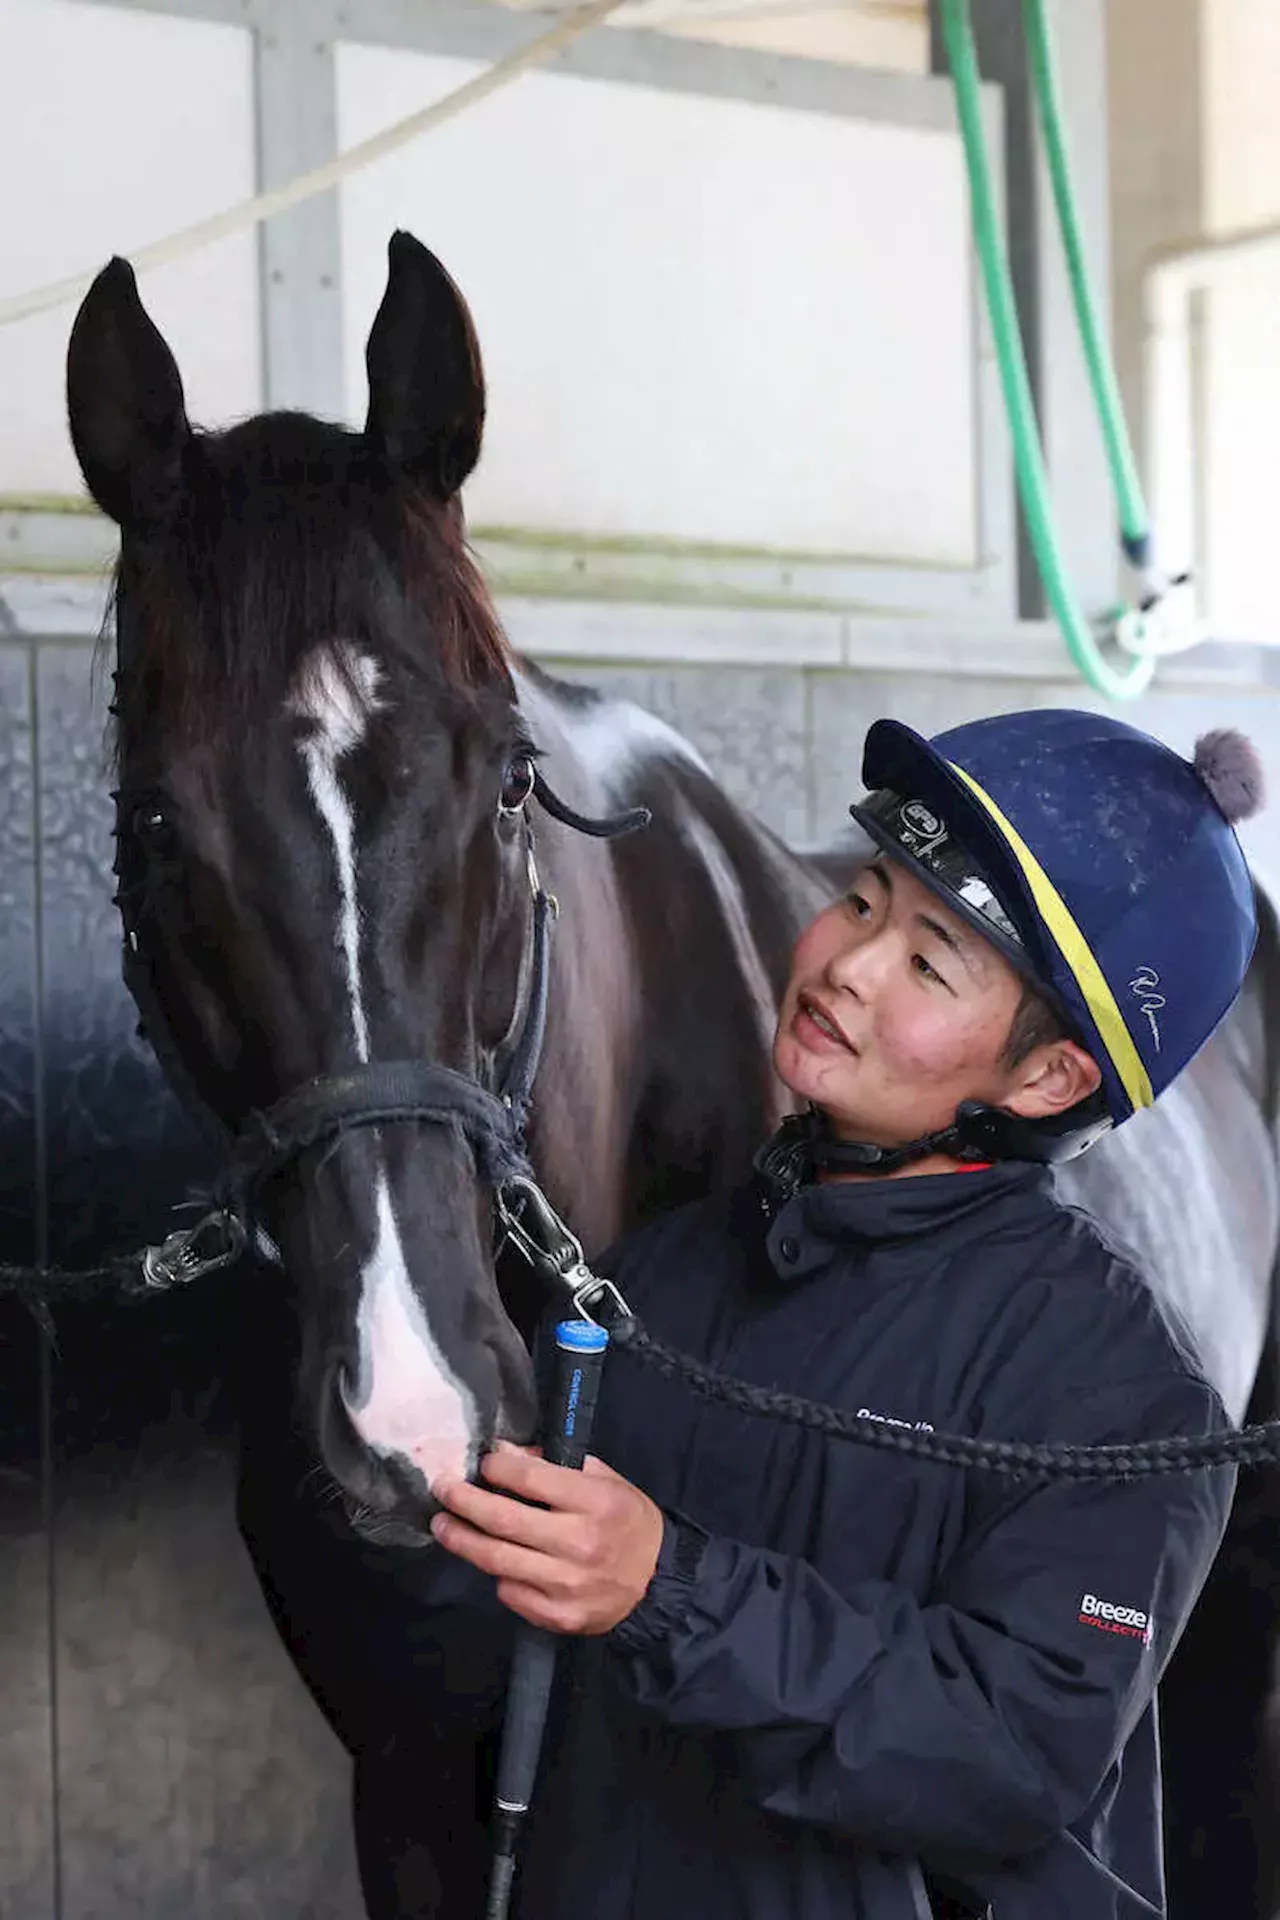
(332,769)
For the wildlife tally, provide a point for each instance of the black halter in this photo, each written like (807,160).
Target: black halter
(381,1093)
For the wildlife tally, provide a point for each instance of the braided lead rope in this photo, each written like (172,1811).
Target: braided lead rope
(1018,1459)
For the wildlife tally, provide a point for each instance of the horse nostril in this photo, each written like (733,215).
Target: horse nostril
(341,1446)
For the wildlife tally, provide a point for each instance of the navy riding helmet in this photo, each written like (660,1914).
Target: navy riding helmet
(1103,865)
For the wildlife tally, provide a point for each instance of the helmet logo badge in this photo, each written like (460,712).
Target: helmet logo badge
(1145,987)
(923,831)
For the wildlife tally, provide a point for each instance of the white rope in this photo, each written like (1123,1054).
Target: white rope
(304,186)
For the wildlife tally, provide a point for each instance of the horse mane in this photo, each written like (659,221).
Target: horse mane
(293,532)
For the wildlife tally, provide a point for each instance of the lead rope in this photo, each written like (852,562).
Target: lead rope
(537,1231)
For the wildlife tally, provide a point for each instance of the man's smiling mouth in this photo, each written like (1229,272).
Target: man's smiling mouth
(817,1015)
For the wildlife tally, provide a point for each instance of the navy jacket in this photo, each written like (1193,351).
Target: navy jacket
(861,1686)
(855,1670)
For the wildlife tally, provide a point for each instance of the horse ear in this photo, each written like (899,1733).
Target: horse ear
(125,404)
(426,382)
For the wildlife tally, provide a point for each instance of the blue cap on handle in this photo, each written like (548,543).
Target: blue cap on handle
(581,1336)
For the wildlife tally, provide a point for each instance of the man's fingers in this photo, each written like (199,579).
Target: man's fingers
(507,1519)
(516,1470)
(596,1469)
(504,1559)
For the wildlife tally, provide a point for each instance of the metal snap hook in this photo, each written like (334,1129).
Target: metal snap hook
(536,1230)
(215,1241)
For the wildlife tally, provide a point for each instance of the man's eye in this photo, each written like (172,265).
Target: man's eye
(922,966)
(859,903)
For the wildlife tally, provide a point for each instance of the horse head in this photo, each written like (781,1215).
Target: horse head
(323,775)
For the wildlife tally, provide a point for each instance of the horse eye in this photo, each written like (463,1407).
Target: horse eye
(152,825)
(517,785)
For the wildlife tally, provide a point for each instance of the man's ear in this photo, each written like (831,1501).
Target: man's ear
(1052,1079)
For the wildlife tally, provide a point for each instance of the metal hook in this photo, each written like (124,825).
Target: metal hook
(215,1241)
(536,1230)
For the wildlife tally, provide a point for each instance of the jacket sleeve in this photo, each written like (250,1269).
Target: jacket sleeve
(993,1711)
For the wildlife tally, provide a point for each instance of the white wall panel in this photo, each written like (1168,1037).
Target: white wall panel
(115,129)
(702,319)
(1240,396)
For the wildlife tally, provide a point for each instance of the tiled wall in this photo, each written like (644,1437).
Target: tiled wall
(787,742)
(157,1754)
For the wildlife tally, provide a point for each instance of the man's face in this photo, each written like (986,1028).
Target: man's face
(895,1012)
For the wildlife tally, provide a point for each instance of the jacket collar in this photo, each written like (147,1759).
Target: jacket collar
(808,1221)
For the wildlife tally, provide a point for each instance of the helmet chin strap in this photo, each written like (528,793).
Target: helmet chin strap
(805,1145)
(830,1155)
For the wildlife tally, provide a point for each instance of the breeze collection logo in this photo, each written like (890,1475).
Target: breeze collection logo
(1113,1619)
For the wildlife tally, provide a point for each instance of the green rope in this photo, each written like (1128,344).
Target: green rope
(1033,483)
(1131,505)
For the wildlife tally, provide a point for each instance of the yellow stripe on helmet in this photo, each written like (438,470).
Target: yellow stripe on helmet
(1075,950)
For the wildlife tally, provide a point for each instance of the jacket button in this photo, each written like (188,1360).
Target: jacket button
(790,1250)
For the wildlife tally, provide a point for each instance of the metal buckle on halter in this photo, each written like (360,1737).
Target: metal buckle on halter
(535,1229)
(215,1241)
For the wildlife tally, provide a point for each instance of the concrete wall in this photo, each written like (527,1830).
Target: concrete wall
(1242,364)
(125,146)
(717,331)
(724,298)
(1196,156)
(1155,130)
(787,742)
(158,1756)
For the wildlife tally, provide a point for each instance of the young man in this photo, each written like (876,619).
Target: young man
(816,1680)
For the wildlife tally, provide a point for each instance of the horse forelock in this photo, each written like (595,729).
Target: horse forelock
(293,532)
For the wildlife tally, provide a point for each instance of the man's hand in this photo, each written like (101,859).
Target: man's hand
(579,1562)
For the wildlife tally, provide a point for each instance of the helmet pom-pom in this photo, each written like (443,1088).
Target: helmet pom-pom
(1229,766)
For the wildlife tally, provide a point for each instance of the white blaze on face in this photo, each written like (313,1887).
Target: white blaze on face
(337,691)
(407,1401)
